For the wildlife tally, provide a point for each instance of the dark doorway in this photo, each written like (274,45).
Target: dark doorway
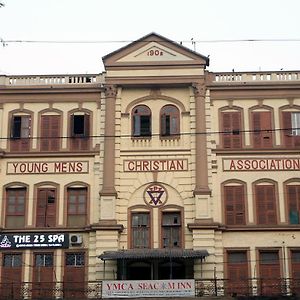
(139,270)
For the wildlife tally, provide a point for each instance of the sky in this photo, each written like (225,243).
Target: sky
(115,23)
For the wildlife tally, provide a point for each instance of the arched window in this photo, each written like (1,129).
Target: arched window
(293,201)
(266,203)
(262,127)
(234,204)
(20,131)
(141,121)
(77,206)
(291,128)
(46,205)
(15,206)
(50,131)
(80,131)
(169,121)
(231,129)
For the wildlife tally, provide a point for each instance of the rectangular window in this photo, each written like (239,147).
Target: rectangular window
(74,276)
(231,130)
(80,132)
(269,272)
(75,259)
(234,205)
(238,273)
(50,133)
(12,260)
(266,210)
(171,229)
(11,276)
(42,280)
(15,207)
(77,206)
(293,197)
(44,260)
(295,259)
(140,230)
(20,133)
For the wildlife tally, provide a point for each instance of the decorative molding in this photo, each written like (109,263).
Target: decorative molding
(110,91)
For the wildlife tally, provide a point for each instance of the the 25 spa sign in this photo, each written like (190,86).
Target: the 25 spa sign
(34,240)
(148,288)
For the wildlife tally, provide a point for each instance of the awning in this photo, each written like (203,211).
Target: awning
(153,254)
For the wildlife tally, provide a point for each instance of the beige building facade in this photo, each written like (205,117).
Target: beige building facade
(155,169)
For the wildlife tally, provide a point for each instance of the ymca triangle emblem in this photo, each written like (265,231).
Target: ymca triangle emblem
(155,195)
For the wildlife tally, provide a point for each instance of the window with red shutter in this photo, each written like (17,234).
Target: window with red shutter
(266,208)
(291,129)
(295,263)
(262,129)
(74,276)
(50,133)
(42,277)
(80,132)
(234,205)
(231,130)
(11,276)
(46,207)
(269,273)
(293,198)
(238,273)
(20,133)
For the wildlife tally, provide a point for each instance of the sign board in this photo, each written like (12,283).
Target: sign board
(52,167)
(34,240)
(261,164)
(148,288)
(155,165)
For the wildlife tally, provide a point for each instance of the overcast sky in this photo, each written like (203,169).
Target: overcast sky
(111,21)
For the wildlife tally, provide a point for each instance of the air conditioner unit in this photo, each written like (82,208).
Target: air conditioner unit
(76,239)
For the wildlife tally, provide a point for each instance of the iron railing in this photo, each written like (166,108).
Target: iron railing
(252,287)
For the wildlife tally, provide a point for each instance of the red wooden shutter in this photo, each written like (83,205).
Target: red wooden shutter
(50,132)
(46,208)
(262,135)
(287,131)
(231,126)
(266,205)
(238,274)
(43,285)
(234,205)
(269,272)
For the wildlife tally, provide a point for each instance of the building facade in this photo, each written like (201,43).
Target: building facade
(154,169)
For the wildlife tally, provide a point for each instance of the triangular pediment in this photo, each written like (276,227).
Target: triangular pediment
(154,50)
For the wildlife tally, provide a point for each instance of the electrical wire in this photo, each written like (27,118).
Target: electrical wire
(138,41)
(233,132)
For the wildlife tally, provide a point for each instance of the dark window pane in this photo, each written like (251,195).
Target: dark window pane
(237,257)
(78,124)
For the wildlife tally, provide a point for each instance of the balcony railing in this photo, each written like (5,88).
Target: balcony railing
(32,80)
(256,77)
(243,289)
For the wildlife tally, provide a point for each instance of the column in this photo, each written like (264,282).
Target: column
(201,144)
